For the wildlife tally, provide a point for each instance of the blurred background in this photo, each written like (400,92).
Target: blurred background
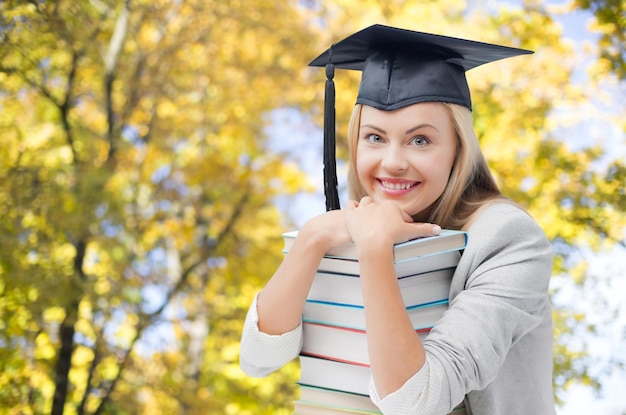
(152,153)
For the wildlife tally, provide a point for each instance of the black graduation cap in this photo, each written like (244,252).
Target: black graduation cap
(400,67)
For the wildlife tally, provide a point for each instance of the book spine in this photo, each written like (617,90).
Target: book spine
(423,316)
(339,344)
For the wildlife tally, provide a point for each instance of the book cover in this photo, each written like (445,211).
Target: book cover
(416,289)
(422,316)
(339,344)
(447,240)
(305,408)
(308,408)
(329,374)
(330,398)
(412,266)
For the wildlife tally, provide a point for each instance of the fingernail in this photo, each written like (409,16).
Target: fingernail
(436,230)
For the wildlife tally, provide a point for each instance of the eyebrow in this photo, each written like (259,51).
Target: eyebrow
(409,131)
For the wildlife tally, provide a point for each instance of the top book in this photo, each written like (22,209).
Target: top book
(447,240)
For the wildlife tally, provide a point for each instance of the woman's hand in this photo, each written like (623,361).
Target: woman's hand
(326,230)
(369,222)
(280,303)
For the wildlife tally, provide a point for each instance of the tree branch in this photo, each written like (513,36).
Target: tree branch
(92,370)
(110,64)
(148,318)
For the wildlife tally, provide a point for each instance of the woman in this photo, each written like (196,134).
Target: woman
(416,167)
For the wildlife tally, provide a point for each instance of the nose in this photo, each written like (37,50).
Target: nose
(394,160)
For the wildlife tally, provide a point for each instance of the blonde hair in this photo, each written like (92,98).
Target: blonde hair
(470,186)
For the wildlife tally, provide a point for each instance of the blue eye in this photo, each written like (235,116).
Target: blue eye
(374,138)
(420,140)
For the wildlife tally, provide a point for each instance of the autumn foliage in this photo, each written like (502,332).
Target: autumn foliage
(137,184)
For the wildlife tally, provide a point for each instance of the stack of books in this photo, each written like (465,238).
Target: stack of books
(334,359)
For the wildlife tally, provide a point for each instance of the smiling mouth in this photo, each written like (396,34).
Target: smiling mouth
(397,185)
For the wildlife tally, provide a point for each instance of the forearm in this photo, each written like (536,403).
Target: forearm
(396,352)
(280,303)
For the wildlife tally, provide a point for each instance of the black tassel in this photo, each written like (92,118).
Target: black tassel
(330,162)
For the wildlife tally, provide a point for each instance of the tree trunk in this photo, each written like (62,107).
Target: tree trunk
(64,361)
(66,336)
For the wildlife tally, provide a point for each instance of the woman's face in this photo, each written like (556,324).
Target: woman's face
(406,155)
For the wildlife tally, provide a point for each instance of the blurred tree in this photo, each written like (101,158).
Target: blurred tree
(136,199)
(136,216)
(610,16)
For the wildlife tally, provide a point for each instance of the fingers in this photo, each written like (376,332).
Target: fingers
(363,202)
(406,217)
(367,219)
(352,204)
(425,229)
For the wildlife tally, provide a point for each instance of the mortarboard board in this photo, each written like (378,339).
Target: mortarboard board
(400,67)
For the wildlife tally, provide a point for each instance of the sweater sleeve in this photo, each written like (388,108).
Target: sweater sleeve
(261,353)
(499,294)
(411,396)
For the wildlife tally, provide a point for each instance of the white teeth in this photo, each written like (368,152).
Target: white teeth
(396,186)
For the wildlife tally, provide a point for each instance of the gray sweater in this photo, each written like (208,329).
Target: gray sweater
(493,347)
